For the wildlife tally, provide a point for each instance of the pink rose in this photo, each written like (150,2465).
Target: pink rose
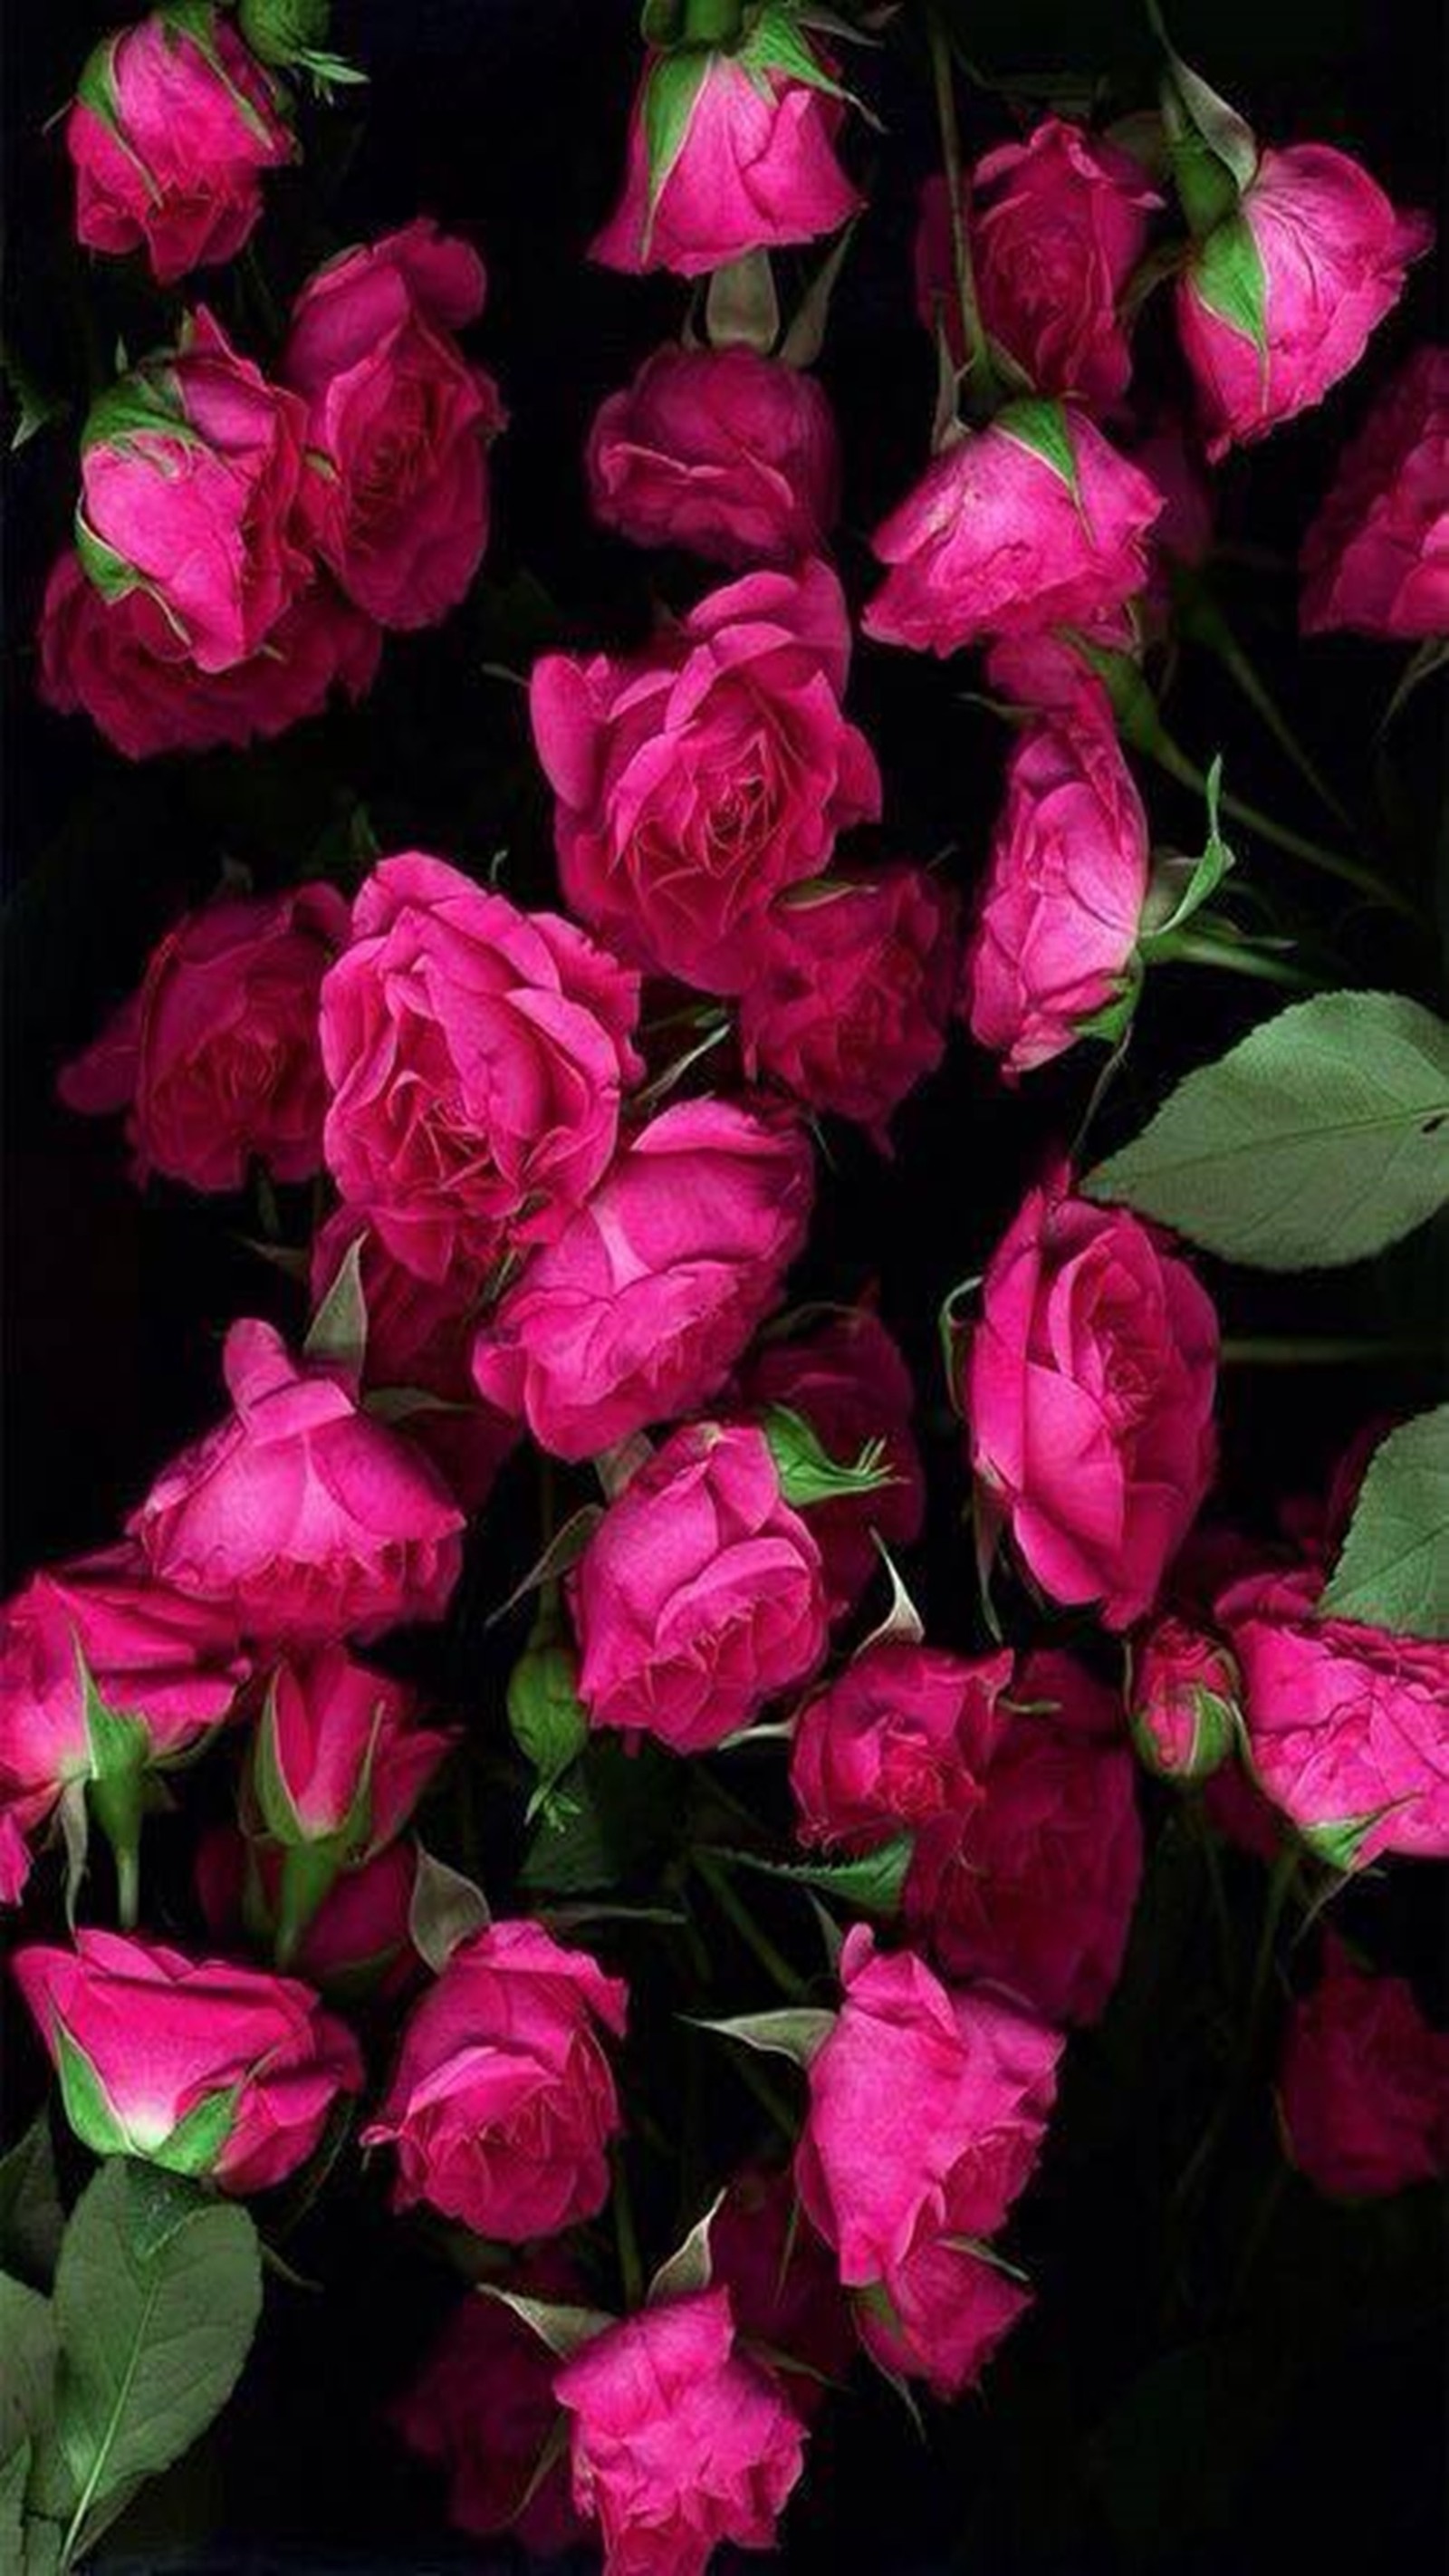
(700,779)
(1035,1888)
(1279,301)
(756,169)
(195,2064)
(358,1939)
(725,452)
(699,1596)
(646,1301)
(341,1757)
(477,1057)
(850,1004)
(1032,523)
(1058,224)
(14,1859)
(173,125)
(398,420)
(677,2444)
(1182,1700)
(298,1514)
(783,2290)
(848,1379)
(1345,1723)
(887,1745)
(215,1060)
(1376,559)
(1051,675)
(503,2103)
(1057,924)
(1363,2088)
(1088,1390)
(483,2409)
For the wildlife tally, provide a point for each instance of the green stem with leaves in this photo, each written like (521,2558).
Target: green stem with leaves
(1195,948)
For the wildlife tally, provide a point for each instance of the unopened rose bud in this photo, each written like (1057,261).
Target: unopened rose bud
(1182,1702)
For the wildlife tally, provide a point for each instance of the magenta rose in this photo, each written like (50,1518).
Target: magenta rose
(173,125)
(477,1056)
(482,2409)
(1278,302)
(1031,523)
(1087,1389)
(1363,2086)
(641,1308)
(1182,1700)
(699,1596)
(1345,1723)
(887,1745)
(1058,224)
(848,1379)
(215,1061)
(398,423)
(699,780)
(850,1005)
(503,2102)
(195,2064)
(1049,673)
(299,1515)
(358,1939)
(14,1858)
(341,1757)
(787,2304)
(1376,558)
(678,2444)
(722,451)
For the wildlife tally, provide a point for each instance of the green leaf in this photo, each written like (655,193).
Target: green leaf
(338,1330)
(673,93)
(29,2343)
(565,2330)
(14,2479)
(1393,1568)
(1042,427)
(545,1714)
(32,2219)
(1318,1140)
(446,1908)
(1228,277)
(874,1883)
(615,1811)
(796,2032)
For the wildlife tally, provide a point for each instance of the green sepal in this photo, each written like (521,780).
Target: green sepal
(1215,1732)
(1041,426)
(807,1472)
(141,404)
(670,99)
(284,32)
(798,2031)
(565,2330)
(88,2106)
(194,2146)
(338,1330)
(1180,887)
(1340,1844)
(775,43)
(96,90)
(545,1714)
(1228,278)
(108,572)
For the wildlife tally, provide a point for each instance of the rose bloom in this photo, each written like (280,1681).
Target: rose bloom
(169,138)
(1363,2086)
(699,780)
(699,1596)
(1325,255)
(483,2409)
(850,1006)
(165,2040)
(1049,674)
(1345,1723)
(927,2113)
(651,1293)
(398,420)
(477,1056)
(887,1745)
(722,451)
(678,2444)
(847,1377)
(1376,558)
(215,1060)
(1058,224)
(503,2103)
(786,2299)
(1182,1700)
(1057,924)
(755,171)
(1035,1889)
(344,1752)
(996,540)
(299,1515)
(1087,1390)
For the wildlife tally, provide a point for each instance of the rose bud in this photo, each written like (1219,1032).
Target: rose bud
(850,1006)
(1345,1723)
(699,780)
(887,1744)
(195,2064)
(502,2104)
(1182,1701)
(786,2299)
(1363,2088)
(397,420)
(927,2113)
(644,1304)
(1056,930)
(1031,523)
(699,1596)
(359,1939)
(215,1060)
(1034,1890)
(678,2444)
(848,1379)
(1376,558)
(1051,675)
(1087,1388)
(173,125)
(483,2410)
(725,452)
(477,1057)
(299,1515)
(1058,224)
(1278,301)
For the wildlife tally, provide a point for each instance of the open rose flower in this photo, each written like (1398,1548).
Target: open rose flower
(1182,1700)
(195,2064)
(503,2102)
(723,451)
(850,1004)
(1376,558)
(847,1377)
(398,422)
(482,2409)
(888,1744)
(787,2302)
(1363,2086)
(702,778)
(699,1595)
